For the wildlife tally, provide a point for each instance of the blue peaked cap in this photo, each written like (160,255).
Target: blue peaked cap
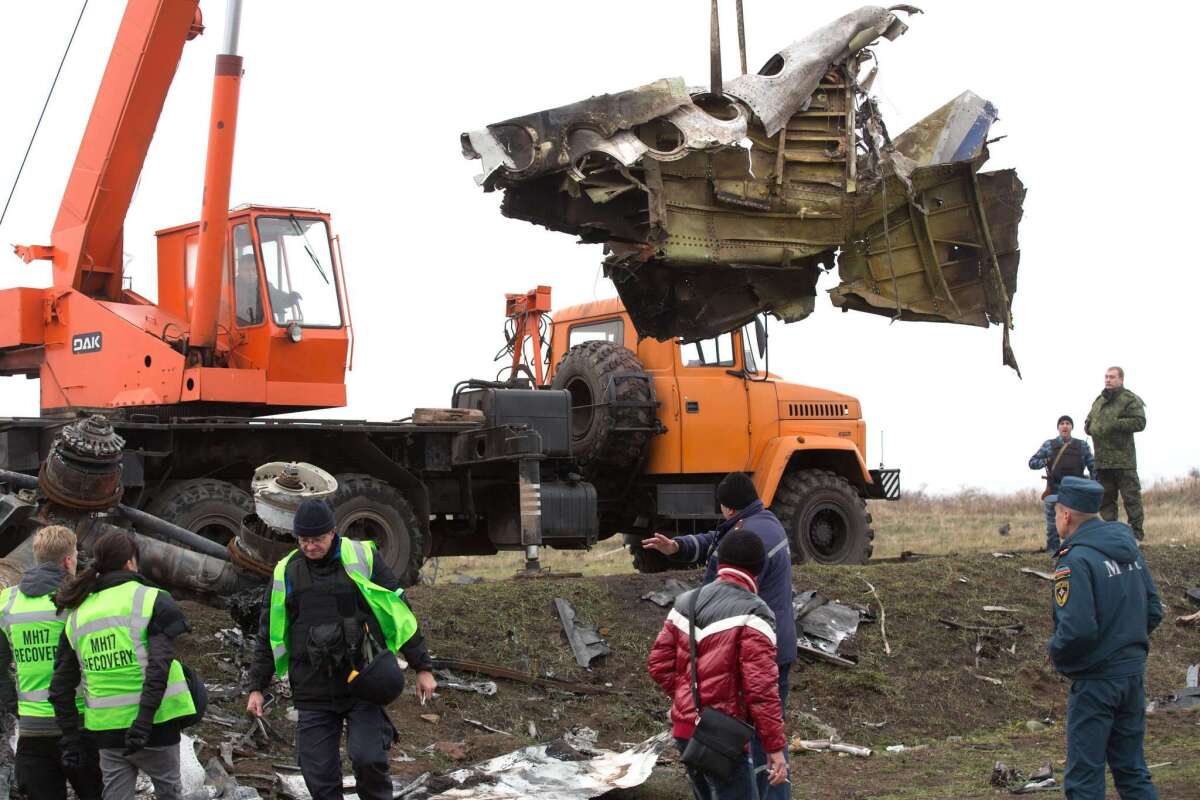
(1079,494)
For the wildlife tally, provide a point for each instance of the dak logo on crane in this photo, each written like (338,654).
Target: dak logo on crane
(87,343)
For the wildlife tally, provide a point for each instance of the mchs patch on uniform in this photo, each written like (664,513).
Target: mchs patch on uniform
(1062,585)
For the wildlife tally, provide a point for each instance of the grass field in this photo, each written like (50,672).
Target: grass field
(964,522)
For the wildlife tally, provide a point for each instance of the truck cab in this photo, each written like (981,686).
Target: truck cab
(716,410)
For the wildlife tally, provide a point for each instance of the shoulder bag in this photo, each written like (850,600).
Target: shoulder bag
(719,740)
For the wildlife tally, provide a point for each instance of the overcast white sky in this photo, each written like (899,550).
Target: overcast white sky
(356,108)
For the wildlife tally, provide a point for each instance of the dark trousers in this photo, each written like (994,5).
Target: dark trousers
(1052,540)
(1106,721)
(765,790)
(1123,482)
(740,785)
(369,736)
(41,775)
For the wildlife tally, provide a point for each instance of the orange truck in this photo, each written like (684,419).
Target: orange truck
(656,424)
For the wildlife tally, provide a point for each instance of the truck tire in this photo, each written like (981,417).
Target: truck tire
(368,508)
(826,520)
(606,438)
(212,508)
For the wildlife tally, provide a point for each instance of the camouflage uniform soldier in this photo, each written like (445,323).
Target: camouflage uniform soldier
(1116,415)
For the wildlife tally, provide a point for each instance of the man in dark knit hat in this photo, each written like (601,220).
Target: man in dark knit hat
(324,613)
(743,510)
(735,665)
(1061,456)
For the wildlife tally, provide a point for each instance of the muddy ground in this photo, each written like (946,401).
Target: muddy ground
(927,694)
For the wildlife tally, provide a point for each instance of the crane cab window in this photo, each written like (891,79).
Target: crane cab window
(301,284)
(246,294)
(611,330)
(716,352)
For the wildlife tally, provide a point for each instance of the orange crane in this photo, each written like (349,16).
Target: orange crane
(252,316)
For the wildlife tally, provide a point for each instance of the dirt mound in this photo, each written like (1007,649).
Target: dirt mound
(949,689)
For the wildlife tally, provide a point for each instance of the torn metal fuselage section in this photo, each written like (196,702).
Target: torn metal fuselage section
(715,209)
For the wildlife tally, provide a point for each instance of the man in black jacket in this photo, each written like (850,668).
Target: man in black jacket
(323,619)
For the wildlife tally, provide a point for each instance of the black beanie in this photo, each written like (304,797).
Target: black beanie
(313,518)
(1065,418)
(736,491)
(742,549)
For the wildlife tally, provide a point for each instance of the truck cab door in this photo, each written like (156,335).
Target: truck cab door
(714,418)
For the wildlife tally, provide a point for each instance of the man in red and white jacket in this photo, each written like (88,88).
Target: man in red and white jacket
(738,674)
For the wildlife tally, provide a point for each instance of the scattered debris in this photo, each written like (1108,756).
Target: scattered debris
(1003,775)
(474,723)
(1193,676)
(1046,576)
(448,680)
(1011,629)
(903,748)
(1193,594)
(1047,785)
(1004,529)
(480,668)
(432,719)
(993,681)
(999,610)
(826,731)
(824,627)
(1183,700)
(1004,555)
(1189,619)
(544,770)
(465,580)
(665,597)
(1006,777)
(585,640)
(887,648)
(455,751)
(1036,726)
(1160,764)
(819,745)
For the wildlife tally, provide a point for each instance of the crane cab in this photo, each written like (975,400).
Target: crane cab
(283,320)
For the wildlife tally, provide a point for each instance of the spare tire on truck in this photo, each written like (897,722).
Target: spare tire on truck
(825,518)
(365,507)
(212,508)
(607,436)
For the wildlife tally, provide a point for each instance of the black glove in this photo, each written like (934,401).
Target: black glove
(70,752)
(137,735)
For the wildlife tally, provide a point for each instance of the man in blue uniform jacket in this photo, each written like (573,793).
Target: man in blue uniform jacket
(1105,606)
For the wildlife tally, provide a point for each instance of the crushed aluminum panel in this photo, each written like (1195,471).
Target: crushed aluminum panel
(726,208)
(827,626)
(535,144)
(531,772)
(586,642)
(789,77)
(955,132)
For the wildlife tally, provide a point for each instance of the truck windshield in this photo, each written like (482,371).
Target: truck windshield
(716,352)
(299,268)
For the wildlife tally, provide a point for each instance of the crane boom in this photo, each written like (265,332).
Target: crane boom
(87,238)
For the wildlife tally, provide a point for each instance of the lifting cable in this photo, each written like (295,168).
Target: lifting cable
(46,104)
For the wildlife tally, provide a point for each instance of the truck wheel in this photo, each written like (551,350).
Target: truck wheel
(826,520)
(647,561)
(214,509)
(367,508)
(604,437)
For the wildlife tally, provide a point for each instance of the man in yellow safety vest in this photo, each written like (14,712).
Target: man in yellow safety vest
(330,604)
(30,628)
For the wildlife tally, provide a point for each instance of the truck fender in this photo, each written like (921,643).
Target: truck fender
(778,454)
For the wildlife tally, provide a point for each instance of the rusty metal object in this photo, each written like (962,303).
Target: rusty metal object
(161,529)
(258,547)
(83,469)
(734,204)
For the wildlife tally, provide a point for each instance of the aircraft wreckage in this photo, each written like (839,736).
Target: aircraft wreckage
(715,205)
